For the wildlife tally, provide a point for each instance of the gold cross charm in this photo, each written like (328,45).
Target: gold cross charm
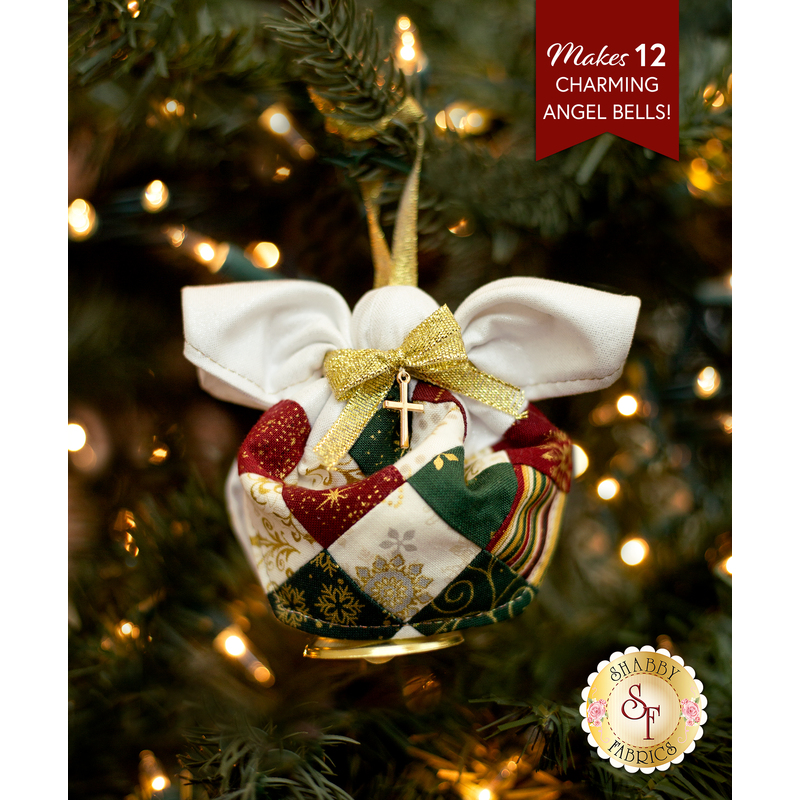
(403,406)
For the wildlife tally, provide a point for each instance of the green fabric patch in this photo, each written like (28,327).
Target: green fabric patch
(379,443)
(321,598)
(514,608)
(484,585)
(476,509)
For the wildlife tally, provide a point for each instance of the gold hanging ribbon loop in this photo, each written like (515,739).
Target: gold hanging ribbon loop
(433,352)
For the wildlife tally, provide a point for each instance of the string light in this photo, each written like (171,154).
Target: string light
(82,219)
(729,565)
(486,794)
(128,629)
(159,454)
(707,383)
(276,119)
(281,174)
(76,437)
(265,255)
(409,53)
(464,120)
(151,774)
(133,9)
(580,461)
(172,107)
(155,196)
(627,405)
(462,228)
(279,123)
(608,488)
(634,551)
(233,643)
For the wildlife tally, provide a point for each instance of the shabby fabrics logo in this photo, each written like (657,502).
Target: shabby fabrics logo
(643,709)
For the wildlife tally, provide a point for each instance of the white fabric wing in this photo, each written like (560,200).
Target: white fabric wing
(258,343)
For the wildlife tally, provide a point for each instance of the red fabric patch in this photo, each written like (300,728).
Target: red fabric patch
(512,511)
(274,446)
(327,514)
(427,393)
(535,441)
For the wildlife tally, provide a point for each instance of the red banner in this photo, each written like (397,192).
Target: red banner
(606,66)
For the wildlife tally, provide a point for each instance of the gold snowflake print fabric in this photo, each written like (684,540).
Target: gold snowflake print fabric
(395,585)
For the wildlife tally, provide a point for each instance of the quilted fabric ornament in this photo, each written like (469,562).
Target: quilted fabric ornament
(400,483)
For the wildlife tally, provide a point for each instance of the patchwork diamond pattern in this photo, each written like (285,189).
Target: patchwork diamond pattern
(402,553)
(522,540)
(484,585)
(398,543)
(328,513)
(535,441)
(280,543)
(321,598)
(476,508)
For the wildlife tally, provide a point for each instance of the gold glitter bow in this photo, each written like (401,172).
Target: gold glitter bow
(433,352)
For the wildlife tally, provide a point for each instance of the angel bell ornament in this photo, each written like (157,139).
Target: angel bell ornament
(400,485)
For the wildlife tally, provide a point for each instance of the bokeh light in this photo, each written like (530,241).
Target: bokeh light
(627,405)
(404,23)
(707,383)
(608,488)
(76,437)
(205,251)
(729,565)
(580,461)
(155,197)
(81,219)
(634,551)
(234,645)
(279,123)
(264,255)
(158,783)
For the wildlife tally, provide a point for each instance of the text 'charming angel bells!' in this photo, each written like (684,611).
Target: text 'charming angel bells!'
(378,543)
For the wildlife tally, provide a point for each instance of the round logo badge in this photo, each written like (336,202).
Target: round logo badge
(643,709)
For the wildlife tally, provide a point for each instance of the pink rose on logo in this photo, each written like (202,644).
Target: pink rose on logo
(691,712)
(597,712)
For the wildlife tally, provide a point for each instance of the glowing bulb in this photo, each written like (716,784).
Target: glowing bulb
(627,405)
(205,251)
(265,255)
(607,488)
(404,23)
(441,120)
(707,382)
(485,794)
(730,280)
(727,423)
(306,151)
(279,123)
(159,783)
(457,115)
(281,174)
(709,90)
(158,455)
(729,565)
(407,38)
(176,235)
(171,106)
(133,8)
(408,53)
(155,196)
(262,674)
(462,228)
(718,100)
(76,437)
(580,461)
(126,628)
(634,551)
(81,219)
(234,645)
(700,165)
(474,120)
